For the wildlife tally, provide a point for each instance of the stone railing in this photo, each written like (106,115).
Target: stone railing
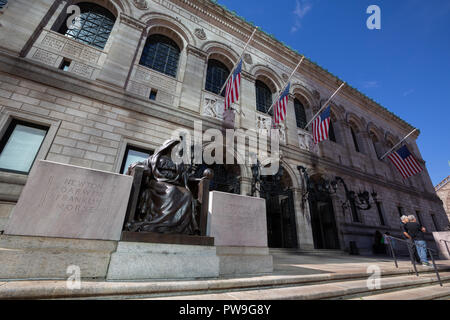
(143,80)
(51,48)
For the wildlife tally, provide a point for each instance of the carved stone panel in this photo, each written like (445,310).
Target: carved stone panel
(53,42)
(82,69)
(306,142)
(248,58)
(141,4)
(139,89)
(71,202)
(155,80)
(90,55)
(45,57)
(264,126)
(73,49)
(200,33)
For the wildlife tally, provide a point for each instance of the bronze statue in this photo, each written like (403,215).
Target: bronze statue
(166,203)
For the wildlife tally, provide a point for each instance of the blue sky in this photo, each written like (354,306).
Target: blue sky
(405,66)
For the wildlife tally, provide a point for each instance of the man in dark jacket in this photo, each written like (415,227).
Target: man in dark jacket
(411,247)
(415,232)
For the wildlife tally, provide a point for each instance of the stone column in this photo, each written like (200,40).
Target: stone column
(246,186)
(22,22)
(194,79)
(122,53)
(291,123)
(303,220)
(248,101)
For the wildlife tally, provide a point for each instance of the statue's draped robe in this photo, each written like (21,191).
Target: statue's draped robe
(169,204)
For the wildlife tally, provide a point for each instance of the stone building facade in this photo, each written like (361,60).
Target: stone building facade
(139,70)
(443,192)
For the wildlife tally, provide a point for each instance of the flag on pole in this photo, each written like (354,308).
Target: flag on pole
(321,126)
(233,87)
(405,162)
(280,107)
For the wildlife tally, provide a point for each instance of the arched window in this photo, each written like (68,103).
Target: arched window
(331,134)
(93,26)
(375,144)
(300,114)
(216,75)
(3,3)
(355,141)
(263,97)
(161,54)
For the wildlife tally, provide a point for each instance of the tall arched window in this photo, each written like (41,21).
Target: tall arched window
(375,144)
(331,134)
(263,97)
(300,114)
(355,141)
(216,75)
(3,3)
(161,54)
(93,26)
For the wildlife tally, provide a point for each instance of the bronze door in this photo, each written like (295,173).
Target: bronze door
(281,226)
(324,225)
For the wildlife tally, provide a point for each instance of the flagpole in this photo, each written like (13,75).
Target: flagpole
(384,155)
(289,79)
(324,105)
(231,73)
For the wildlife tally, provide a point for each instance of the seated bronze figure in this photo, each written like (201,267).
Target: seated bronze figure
(166,202)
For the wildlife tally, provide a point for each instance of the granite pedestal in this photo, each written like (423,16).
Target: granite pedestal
(239,227)
(65,216)
(141,261)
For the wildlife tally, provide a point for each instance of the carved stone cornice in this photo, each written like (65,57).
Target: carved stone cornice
(132,22)
(248,76)
(196,52)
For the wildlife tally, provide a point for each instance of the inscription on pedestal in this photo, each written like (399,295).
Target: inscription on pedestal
(235,220)
(71,202)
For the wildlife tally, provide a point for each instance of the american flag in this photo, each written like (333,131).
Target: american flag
(233,86)
(321,126)
(279,112)
(405,162)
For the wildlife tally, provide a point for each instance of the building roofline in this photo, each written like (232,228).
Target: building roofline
(442,183)
(233,15)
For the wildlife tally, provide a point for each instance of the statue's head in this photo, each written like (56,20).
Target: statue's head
(166,167)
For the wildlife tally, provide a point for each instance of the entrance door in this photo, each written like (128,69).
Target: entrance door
(324,225)
(281,227)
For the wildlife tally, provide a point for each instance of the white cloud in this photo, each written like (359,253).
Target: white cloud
(408,92)
(302,7)
(371,84)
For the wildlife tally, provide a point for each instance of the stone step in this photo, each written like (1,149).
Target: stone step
(327,252)
(51,289)
(420,293)
(312,292)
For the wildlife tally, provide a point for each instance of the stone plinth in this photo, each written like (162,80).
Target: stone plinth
(71,202)
(49,258)
(244,260)
(239,227)
(441,245)
(235,220)
(139,261)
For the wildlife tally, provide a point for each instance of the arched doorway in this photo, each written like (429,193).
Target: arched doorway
(280,211)
(323,221)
